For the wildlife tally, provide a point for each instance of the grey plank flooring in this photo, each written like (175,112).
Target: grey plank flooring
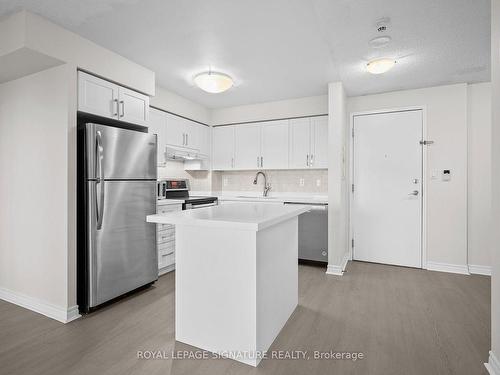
(404,321)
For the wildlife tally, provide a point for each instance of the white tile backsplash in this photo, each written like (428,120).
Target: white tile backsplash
(283,181)
(199,180)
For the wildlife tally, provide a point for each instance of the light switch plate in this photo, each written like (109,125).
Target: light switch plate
(318,182)
(301,182)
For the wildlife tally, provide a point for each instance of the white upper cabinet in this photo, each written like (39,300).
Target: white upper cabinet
(97,96)
(184,133)
(319,142)
(300,143)
(309,143)
(133,106)
(191,134)
(175,131)
(158,126)
(204,138)
(282,144)
(274,144)
(102,98)
(223,147)
(247,146)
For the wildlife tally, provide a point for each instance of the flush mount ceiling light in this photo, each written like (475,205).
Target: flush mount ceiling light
(213,82)
(380,66)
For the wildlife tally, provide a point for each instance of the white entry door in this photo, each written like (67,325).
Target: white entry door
(387,197)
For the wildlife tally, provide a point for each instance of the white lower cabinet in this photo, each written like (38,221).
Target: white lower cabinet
(165,239)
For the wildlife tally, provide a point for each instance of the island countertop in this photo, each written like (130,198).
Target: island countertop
(254,217)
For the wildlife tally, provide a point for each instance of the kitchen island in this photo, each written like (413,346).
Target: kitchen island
(236,276)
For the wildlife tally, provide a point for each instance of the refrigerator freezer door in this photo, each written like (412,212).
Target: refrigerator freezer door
(123,154)
(122,254)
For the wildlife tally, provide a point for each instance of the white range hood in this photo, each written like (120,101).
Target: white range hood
(179,153)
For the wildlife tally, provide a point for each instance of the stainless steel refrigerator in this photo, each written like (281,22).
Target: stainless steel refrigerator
(117,190)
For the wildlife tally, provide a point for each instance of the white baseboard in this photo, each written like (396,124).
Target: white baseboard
(42,307)
(479,270)
(448,267)
(338,270)
(493,365)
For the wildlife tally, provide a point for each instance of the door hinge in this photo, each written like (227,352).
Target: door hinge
(426,143)
(352,243)
(352,188)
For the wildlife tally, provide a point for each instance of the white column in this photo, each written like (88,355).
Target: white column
(338,197)
(493,364)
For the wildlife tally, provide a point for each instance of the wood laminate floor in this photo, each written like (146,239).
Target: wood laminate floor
(404,321)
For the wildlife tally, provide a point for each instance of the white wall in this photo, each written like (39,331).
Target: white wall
(27,30)
(168,101)
(34,196)
(494,360)
(479,174)
(338,197)
(313,105)
(446,124)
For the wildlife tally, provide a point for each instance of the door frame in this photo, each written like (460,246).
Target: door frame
(423,224)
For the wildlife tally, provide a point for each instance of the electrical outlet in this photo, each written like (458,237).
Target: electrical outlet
(301,182)
(225,181)
(318,183)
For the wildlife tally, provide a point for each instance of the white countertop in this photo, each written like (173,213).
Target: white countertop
(306,199)
(242,216)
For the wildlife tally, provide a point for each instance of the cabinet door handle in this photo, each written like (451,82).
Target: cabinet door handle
(262,162)
(123,108)
(187,139)
(311,160)
(115,107)
(307,160)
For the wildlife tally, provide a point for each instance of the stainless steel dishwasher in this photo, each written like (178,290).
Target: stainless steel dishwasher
(313,233)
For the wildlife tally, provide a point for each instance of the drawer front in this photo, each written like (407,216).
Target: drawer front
(163,237)
(166,260)
(165,228)
(161,209)
(166,248)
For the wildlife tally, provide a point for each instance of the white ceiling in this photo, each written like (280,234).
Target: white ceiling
(281,49)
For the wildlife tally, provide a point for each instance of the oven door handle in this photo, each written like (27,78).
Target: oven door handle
(190,206)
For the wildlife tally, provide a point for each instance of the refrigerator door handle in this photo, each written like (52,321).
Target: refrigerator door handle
(99,181)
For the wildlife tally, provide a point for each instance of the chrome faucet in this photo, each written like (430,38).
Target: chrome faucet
(267,186)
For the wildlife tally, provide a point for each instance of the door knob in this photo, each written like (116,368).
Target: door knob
(414,192)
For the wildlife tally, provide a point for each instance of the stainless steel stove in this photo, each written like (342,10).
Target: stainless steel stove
(179,189)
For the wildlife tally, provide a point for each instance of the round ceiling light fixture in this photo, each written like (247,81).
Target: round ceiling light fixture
(380,66)
(213,82)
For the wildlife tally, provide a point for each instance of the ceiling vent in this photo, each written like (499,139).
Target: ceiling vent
(382,25)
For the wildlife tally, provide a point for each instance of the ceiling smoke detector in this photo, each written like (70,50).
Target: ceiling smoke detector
(382,40)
